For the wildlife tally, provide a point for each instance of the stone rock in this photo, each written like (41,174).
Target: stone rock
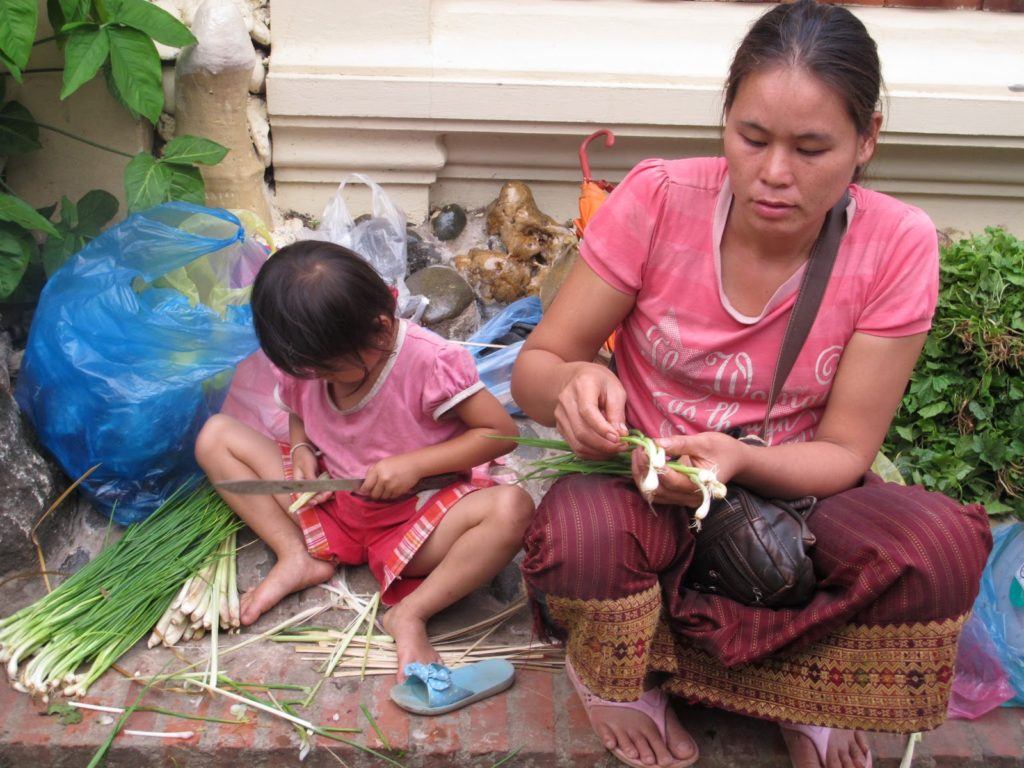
(508,584)
(16,319)
(421,254)
(165,126)
(259,128)
(29,484)
(522,243)
(529,234)
(258,78)
(461,327)
(6,353)
(448,292)
(496,275)
(448,222)
(555,276)
(75,560)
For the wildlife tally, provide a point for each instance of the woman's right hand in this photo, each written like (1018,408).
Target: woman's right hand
(591,411)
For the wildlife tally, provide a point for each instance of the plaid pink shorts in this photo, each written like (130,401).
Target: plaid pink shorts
(349,529)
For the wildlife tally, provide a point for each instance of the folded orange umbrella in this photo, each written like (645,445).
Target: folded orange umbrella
(592,193)
(592,196)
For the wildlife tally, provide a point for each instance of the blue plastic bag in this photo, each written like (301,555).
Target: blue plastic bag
(994,606)
(132,348)
(495,366)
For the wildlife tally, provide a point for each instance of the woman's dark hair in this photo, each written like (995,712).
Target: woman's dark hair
(827,41)
(316,303)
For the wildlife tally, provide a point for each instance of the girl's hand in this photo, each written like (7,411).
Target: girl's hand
(389,478)
(591,412)
(304,467)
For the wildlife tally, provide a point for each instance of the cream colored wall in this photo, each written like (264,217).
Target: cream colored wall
(443,100)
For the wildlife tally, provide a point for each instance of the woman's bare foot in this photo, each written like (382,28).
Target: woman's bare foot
(844,748)
(289,574)
(410,634)
(637,737)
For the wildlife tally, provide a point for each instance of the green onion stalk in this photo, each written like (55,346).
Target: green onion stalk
(67,639)
(565,462)
(206,601)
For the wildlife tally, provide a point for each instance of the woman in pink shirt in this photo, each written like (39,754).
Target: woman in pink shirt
(696,263)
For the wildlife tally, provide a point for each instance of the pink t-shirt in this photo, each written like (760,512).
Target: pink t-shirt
(688,360)
(409,406)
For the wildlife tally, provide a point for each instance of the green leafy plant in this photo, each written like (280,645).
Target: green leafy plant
(78,224)
(115,37)
(173,176)
(960,428)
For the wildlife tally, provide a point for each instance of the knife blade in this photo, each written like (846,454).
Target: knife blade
(267,487)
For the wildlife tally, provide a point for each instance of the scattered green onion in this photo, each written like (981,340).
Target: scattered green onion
(101,611)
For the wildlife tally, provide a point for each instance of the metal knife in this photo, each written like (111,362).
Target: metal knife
(266,487)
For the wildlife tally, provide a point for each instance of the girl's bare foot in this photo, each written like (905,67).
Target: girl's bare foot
(637,737)
(410,634)
(289,574)
(845,748)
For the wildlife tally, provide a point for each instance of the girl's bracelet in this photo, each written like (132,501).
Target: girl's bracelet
(313,448)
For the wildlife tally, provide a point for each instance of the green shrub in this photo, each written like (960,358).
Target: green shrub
(960,428)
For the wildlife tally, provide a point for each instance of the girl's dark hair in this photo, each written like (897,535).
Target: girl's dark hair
(825,40)
(315,303)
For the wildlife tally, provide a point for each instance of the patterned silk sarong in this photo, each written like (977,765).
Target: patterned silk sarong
(898,570)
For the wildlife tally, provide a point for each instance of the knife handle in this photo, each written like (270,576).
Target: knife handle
(434,482)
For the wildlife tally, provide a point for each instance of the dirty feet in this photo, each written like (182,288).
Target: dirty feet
(288,575)
(410,634)
(636,736)
(844,748)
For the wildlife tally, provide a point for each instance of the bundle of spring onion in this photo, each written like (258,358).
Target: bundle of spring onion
(105,608)
(565,462)
(210,595)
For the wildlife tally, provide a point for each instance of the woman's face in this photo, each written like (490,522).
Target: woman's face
(792,149)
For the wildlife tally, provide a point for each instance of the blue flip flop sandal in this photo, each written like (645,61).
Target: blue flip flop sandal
(433,689)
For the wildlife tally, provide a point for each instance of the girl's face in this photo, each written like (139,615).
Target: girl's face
(355,370)
(792,149)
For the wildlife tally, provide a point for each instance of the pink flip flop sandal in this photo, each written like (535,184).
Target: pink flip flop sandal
(819,735)
(654,704)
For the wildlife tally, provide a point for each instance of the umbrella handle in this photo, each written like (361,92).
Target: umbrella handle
(609,140)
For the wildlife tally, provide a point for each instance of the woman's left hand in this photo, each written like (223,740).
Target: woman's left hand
(708,450)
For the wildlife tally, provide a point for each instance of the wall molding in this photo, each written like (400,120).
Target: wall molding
(443,100)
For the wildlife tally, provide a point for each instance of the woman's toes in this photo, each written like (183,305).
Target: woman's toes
(625,743)
(604,733)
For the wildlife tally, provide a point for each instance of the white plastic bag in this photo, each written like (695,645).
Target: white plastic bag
(379,239)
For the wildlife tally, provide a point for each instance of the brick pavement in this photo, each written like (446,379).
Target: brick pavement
(539,718)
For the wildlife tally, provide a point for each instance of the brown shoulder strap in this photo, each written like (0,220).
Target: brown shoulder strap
(808,299)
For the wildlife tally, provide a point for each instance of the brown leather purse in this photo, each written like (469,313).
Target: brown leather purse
(751,549)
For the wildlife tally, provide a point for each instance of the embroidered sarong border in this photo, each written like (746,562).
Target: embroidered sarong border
(609,640)
(892,678)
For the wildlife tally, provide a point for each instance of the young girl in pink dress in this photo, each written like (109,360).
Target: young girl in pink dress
(368,396)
